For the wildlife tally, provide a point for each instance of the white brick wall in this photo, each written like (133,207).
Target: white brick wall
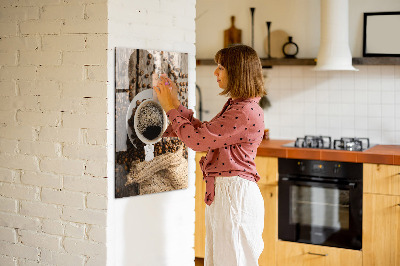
(53,108)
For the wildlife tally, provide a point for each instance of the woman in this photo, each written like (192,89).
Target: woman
(235,207)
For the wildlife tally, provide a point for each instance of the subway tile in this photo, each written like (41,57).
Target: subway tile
(387,71)
(374,123)
(349,132)
(397,71)
(361,110)
(310,95)
(375,136)
(335,95)
(322,121)
(335,122)
(397,123)
(388,124)
(348,122)
(322,83)
(322,109)
(388,137)
(397,133)
(374,110)
(388,84)
(310,108)
(361,97)
(388,97)
(296,71)
(388,110)
(348,96)
(285,72)
(374,84)
(308,72)
(360,124)
(374,97)
(284,83)
(297,83)
(347,109)
(322,96)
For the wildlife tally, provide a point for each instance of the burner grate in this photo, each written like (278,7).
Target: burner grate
(351,144)
(320,142)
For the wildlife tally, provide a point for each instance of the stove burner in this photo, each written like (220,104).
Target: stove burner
(308,141)
(351,144)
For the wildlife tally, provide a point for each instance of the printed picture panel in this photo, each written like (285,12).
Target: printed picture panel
(146,163)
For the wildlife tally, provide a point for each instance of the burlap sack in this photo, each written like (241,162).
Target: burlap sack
(165,172)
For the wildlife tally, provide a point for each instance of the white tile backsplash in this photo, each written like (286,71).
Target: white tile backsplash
(364,103)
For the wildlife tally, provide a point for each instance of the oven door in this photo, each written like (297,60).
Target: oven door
(320,212)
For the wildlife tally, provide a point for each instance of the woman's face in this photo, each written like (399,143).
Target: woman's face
(222,76)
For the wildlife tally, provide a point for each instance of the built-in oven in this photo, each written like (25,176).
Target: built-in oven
(320,202)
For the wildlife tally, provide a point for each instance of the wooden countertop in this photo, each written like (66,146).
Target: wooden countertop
(379,154)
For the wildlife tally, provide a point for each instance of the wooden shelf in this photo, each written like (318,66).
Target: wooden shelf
(312,61)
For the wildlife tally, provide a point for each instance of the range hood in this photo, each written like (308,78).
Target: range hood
(334,51)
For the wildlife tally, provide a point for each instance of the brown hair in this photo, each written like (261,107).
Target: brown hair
(245,78)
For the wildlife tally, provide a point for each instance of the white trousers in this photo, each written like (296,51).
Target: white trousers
(234,223)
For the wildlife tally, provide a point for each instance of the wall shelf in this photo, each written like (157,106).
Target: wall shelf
(312,61)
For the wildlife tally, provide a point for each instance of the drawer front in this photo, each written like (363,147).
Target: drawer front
(381,179)
(294,254)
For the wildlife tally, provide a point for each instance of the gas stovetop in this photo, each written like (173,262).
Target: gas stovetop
(325,142)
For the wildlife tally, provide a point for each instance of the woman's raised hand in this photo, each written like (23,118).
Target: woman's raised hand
(166,91)
(174,91)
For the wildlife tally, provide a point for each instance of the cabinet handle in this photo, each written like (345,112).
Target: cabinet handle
(398,204)
(318,254)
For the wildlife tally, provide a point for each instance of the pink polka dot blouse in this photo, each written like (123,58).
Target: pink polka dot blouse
(231,139)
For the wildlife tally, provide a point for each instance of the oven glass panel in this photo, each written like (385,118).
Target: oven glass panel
(319,208)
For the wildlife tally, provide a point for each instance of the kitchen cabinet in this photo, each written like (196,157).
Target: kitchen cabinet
(381,230)
(267,167)
(381,215)
(298,254)
(200,207)
(270,233)
(381,179)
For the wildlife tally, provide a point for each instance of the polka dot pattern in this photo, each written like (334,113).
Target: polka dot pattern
(231,138)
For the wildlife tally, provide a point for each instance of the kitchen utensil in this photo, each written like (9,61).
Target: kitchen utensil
(232,35)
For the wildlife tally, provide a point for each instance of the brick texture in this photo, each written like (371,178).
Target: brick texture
(53,109)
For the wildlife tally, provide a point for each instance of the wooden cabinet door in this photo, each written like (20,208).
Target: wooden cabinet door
(297,254)
(200,207)
(381,179)
(381,230)
(267,168)
(270,233)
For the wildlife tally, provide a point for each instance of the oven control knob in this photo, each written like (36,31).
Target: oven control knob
(302,167)
(336,169)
